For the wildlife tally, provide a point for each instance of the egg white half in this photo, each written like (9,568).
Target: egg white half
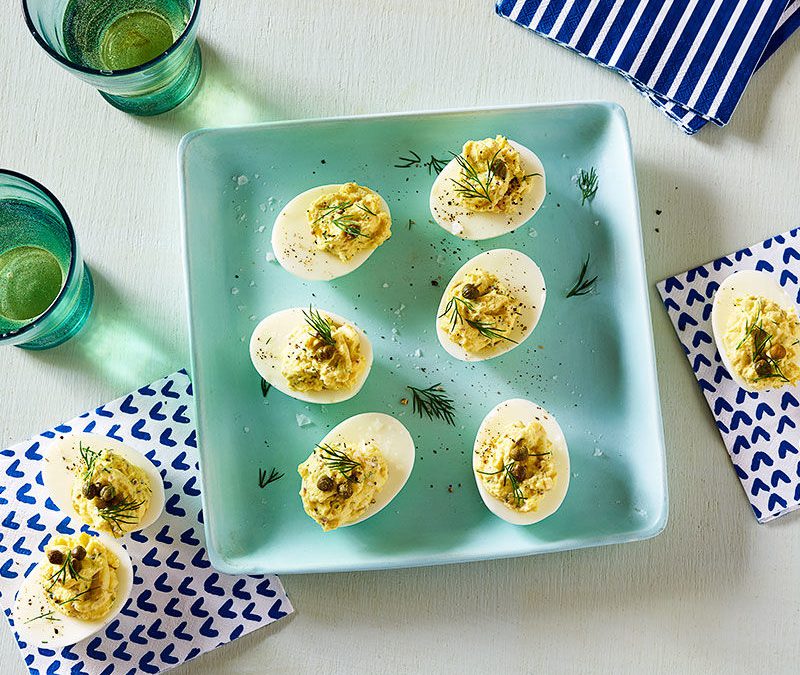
(523,278)
(31,602)
(499,418)
(293,243)
(394,442)
(452,216)
(268,345)
(738,285)
(63,454)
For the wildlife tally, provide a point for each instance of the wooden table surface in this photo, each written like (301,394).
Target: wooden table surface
(715,593)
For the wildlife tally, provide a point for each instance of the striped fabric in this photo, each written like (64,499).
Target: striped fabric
(691,58)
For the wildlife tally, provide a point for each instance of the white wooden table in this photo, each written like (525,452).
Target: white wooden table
(715,593)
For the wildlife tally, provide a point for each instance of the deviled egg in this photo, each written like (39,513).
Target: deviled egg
(330,230)
(81,583)
(311,354)
(493,187)
(521,462)
(491,305)
(757,331)
(356,470)
(103,483)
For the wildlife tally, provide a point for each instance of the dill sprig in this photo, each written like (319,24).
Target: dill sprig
(118,515)
(265,387)
(519,497)
(488,330)
(762,341)
(366,209)
(348,225)
(320,325)
(433,402)
(89,458)
(338,460)
(336,207)
(47,615)
(471,186)
(415,161)
(583,286)
(67,569)
(408,162)
(435,164)
(345,222)
(587,184)
(264,479)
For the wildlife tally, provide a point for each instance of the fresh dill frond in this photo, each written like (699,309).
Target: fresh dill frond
(66,570)
(320,325)
(507,470)
(471,186)
(587,184)
(366,209)
(409,162)
(433,402)
(264,479)
(338,460)
(583,286)
(121,514)
(265,387)
(332,209)
(75,597)
(766,366)
(485,328)
(435,164)
(89,458)
(47,615)
(348,225)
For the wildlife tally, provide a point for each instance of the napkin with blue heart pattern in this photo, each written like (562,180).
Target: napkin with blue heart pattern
(179,606)
(760,430)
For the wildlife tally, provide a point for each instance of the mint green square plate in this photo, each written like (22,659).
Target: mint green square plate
(590,360)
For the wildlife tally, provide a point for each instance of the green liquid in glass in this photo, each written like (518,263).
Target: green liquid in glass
(30,279)
(118,34)
(33,261)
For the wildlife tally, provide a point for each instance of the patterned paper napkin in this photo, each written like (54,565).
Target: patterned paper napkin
(691,59)
(760,430)
(179,606)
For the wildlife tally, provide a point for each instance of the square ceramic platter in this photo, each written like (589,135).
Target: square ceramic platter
(590,360)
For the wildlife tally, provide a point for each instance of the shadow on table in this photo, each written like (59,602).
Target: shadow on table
(115,345)
(221,98)
(768,83)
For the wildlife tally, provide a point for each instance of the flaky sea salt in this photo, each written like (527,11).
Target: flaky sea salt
(270,257)
(242,180)
(234,291)
(598,452)
(302,420)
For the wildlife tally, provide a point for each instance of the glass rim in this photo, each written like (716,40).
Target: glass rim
(109,73)
(73,245)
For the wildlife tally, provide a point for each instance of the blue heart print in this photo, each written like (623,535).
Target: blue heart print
(758,429)
(179,606)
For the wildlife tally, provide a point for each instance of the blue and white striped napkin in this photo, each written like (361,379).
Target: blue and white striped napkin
(691,58)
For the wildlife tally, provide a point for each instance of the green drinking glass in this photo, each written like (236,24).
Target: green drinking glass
(46,290)
(141,55)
